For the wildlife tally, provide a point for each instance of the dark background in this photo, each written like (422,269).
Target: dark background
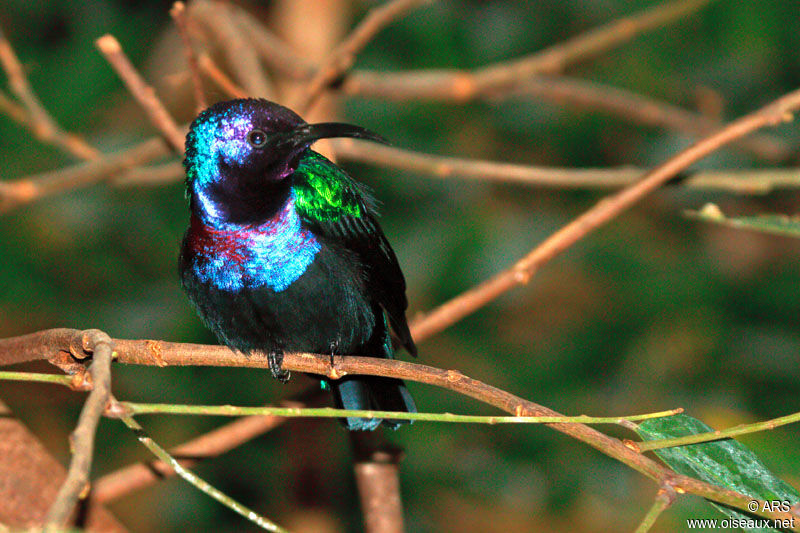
(652,312)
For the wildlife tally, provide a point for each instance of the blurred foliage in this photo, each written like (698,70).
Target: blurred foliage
(652,312)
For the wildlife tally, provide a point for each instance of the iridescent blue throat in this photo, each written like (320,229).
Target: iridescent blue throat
(233,257)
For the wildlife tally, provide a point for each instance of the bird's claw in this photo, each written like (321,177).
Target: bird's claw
(275,360)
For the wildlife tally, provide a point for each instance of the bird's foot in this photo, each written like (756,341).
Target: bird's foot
(332,350)
(275,360)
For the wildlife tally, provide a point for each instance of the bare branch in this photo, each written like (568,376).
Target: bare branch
(38,120)
(343,57)
(377,470)
(197,481)
(447,167)
(217,18)
(144,94)
(607,209)
(82,439)
(178,14)
(220,78)
(664,498)
(211,444)
(31,478)
(641,109)
(25,190)
(52,344)
(461,86)
(273,51)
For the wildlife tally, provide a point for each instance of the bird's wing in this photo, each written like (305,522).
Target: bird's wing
(336,206)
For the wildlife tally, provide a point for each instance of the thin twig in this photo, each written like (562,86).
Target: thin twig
(211,70)
(137,408)
(607,209)
(343,57)
(482,170)
(144,93)
(216,442)
(639,109)
(665,497)
(82,439)
(241,57)
(461,86)
(41,123)
(195,480)
(178,14)
(741,429)
(25,190)
(52,344)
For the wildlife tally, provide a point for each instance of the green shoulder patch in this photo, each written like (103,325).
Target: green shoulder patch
(323,191)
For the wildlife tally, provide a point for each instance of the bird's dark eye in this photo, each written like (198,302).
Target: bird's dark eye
(257,138)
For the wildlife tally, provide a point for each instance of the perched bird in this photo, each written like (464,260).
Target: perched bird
(284,252)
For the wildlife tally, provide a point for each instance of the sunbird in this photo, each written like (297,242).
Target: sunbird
(284,251)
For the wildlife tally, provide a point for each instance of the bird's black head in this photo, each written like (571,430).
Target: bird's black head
(240,152)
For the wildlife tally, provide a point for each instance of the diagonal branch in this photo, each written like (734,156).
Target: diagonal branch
(38,119)
(211,444)
(144,93)
(343,57)
(217,18)
(604,211)
(178,14)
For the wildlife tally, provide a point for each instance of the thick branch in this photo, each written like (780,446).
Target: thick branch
(160,353)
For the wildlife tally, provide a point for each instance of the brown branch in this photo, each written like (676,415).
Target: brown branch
(640,109)
(211,70)
(178,14)
(461,86)
(217,18)
(272,50)
(447,166)
(82,439)
(343,57)
(665,497)
(607,209)
(52,344)
(742,181)
(31,477)
(377,471)
(144,93)
(38,119)
(25,190)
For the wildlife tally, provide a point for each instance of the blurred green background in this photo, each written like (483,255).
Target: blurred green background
(652,312)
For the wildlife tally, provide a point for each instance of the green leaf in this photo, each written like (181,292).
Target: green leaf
(774,224)
(726,463)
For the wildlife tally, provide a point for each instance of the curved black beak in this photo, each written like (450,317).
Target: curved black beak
(304,135)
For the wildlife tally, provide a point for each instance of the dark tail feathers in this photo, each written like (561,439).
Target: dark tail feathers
(372,394)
